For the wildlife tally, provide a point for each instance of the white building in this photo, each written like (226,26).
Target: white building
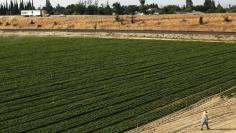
(28,13)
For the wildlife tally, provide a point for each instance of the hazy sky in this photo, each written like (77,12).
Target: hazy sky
(39,3)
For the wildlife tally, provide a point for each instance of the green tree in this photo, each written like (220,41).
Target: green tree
(131,9)
(118,10)
(170,9)
(80,8)
(22,6)
(107,9)
(49,7)
(59,9)
(209,5)
(91,10)
(142,6)
(189,3)
(220,9)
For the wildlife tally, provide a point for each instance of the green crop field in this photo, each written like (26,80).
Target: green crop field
(82,85)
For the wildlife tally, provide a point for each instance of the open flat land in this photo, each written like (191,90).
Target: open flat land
(80,85)
(178,22)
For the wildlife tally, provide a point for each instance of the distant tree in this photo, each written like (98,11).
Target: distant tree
(189,3)
(70,9)
(170,9)
(209,6)
(59,9)
(232,9)
(142,6)
(80,8)
(220,9)
(107,9)
(118,10)
(22,6)
(131,9)
(142,2)
(200,8)
(49,7)
(91,10)
(188,9)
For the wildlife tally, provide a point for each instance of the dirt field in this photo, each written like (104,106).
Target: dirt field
(190,22)
(222,115)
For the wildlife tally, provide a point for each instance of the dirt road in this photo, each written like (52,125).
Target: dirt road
(222,119)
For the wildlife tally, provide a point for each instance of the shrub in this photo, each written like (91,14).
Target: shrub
(200,20)
(184,20)
(132,19)
(15,24)
(39,25)
(55,23)
(95,27)
(7,23)
(32,22)
(226,19)
(70,26)
(117,18)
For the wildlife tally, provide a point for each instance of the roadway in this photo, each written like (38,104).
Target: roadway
(121,31)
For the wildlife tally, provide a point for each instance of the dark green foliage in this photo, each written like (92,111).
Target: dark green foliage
(14,8)
(59,10)
(209,6)
(92,7)
(189,3)
(220,9)
(117,8)
(131,9)
(230,93)
(105,85)
(170,9)
(49,7)
(142,6)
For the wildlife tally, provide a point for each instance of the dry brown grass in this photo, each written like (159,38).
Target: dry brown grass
(190,22)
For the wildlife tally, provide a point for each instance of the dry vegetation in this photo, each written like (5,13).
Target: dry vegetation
(211,22)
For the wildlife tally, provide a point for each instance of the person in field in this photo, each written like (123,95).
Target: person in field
(204,120)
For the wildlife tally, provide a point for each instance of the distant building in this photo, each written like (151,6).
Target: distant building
(197,12)
(28,13)
(189,3)
(152,11)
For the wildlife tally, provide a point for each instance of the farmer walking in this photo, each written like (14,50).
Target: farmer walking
(204,120)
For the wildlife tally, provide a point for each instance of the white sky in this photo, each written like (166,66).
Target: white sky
(39,3)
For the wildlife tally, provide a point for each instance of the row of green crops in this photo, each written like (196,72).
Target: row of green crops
(105,85)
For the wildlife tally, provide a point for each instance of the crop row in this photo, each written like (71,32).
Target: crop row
(105,85)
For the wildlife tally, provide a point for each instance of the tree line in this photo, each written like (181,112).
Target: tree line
(92,7)
(15,7)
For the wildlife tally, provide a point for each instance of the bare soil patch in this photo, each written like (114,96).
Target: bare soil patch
(222,115)
(178,22)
